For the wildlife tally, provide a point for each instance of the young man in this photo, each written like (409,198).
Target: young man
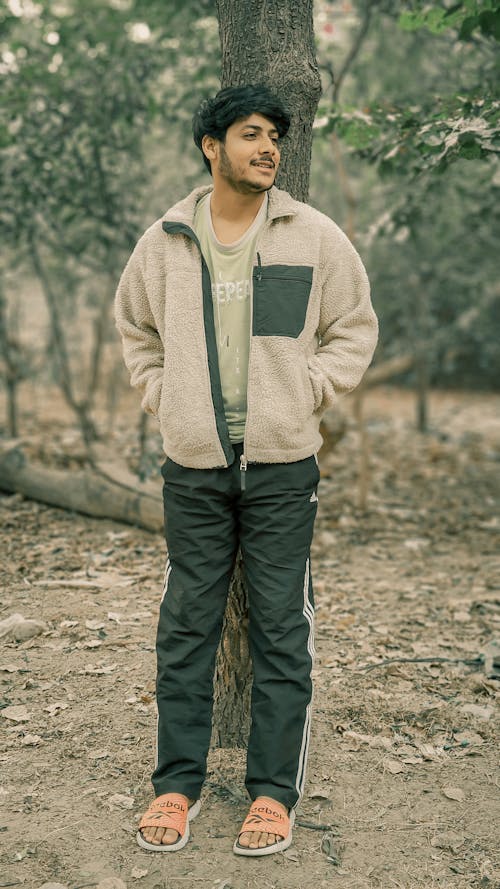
(244,314)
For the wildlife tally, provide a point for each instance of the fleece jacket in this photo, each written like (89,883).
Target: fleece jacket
(313,333)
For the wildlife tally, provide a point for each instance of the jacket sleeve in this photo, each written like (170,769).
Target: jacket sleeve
(348,327)
(141,342)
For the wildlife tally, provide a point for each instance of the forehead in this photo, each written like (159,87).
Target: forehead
(255,120)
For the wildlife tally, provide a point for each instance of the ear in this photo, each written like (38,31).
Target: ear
(209,147)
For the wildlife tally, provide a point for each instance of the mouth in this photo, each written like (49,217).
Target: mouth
(264,165)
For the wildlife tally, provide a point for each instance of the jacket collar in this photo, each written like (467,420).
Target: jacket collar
(280,204)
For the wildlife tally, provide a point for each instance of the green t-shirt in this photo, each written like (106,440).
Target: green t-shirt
(230,267)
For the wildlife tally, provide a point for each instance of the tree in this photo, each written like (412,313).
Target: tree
(269,41)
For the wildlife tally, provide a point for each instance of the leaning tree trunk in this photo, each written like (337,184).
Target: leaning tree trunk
(271,42)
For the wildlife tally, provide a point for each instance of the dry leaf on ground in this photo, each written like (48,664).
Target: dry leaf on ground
(455,793)
(16,713)
(393,766)
(20,628)
(120,801)
(475,710)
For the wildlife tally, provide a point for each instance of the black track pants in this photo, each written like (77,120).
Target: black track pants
(207,514)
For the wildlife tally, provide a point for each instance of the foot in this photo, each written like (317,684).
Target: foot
(162,835)
(258,839)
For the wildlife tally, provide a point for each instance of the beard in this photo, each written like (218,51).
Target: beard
(240,184)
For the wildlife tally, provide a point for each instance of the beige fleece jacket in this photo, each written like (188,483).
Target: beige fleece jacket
(313,333)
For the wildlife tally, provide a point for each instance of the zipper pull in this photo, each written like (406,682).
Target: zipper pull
(243,469)
(259,264)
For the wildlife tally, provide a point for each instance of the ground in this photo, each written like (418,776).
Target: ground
(403,769)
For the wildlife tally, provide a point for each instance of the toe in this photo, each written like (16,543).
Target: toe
(169,837)
(263,840)
(254,844)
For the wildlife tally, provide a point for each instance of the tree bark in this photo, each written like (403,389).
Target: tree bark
(270,42)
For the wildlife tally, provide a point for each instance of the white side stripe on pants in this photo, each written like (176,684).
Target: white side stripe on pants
(308,612)
(168,569)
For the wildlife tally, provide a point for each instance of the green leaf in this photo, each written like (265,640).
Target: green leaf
(490,23)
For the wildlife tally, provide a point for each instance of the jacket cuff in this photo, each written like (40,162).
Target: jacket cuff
(322,388)
(315,377)
(151,400)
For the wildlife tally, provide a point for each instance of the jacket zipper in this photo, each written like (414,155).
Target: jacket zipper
(243,458)
(185,229)
(243,471)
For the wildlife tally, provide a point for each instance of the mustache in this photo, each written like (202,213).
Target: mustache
(265,160)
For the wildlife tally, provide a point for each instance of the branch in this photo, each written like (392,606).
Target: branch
(311,826)
(355,48)
(470,662)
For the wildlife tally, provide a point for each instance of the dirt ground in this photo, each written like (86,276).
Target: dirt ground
(403,768)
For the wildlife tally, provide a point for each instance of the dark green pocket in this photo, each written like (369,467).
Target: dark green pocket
(280,299)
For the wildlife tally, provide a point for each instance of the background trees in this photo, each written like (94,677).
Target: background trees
(95,142)
(418,107)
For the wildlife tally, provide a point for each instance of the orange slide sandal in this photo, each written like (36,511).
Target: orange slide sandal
(170,810)
(265,817)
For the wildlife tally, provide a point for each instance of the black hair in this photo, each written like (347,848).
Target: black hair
(214,116)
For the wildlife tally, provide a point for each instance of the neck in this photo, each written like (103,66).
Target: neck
(231,206)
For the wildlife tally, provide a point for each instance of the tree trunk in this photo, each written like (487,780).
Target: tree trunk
(12,377)
(271,42)
(233,671)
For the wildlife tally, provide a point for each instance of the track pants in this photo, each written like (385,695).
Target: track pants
(269,510)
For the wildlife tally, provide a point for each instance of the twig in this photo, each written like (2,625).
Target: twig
(60,830)
(470,662)
(311,826)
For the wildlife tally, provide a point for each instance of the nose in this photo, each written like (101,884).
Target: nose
(267,146)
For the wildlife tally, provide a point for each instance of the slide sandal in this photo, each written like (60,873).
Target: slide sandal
(170,810)
(266,818)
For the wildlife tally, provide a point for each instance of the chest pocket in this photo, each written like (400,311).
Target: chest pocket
(280,299)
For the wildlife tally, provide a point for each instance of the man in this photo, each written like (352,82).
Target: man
(244,314)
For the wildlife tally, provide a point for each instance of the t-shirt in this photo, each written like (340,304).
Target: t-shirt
(230,267)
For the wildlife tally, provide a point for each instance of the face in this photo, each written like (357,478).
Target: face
(248,160)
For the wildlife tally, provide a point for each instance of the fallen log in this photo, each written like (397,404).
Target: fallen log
(386,370)
(103,492)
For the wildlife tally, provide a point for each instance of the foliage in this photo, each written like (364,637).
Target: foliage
(418,119)
(82,84)
(428,135)
(421,138)
(467,17)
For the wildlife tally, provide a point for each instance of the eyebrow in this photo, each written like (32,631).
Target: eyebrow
(254,126)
